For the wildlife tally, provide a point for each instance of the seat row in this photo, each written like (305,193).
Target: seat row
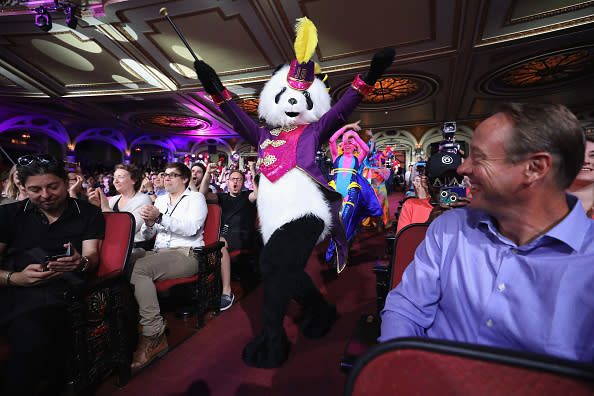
(103,312)
(424,366)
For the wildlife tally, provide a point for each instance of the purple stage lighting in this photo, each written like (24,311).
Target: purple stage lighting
(43,20)
(71,20)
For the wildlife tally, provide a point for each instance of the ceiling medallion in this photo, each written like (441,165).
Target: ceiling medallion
(172,121)
(543,71)
(250,106)
(395,91)
(389,89)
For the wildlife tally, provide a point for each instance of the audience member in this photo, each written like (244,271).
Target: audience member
(156,187)
(441,172)
(513,269)
(33,316)
(14,189)
(583,185)
(126,180)
(177,219)
(75,186)
(238,216)
(108,187)
(4,176)
(407,181)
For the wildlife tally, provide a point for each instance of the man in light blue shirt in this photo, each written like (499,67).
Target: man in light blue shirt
(516,268)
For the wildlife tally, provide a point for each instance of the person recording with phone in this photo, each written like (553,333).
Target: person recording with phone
(36,233)
(437,186)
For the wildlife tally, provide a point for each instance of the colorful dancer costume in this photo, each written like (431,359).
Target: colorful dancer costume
(359,198)
(376,173)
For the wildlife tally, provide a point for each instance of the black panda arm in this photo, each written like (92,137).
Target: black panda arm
(380,62)
(208,77)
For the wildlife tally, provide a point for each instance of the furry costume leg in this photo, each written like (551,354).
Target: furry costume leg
(282,263)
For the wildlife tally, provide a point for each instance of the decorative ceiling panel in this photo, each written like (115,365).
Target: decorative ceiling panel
(517,19)
(340,27)
(237,50)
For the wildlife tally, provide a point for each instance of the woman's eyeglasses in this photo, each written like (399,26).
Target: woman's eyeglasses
(30,158)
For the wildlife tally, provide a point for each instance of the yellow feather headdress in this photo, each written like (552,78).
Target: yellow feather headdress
(302,71)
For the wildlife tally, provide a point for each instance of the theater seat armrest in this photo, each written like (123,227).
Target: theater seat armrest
(84,289)
(210,247)
(208,256)
(382,283)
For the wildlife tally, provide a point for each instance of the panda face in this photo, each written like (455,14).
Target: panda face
(280,105)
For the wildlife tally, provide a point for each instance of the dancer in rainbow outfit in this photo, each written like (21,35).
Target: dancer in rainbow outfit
(374,170)
(359,199)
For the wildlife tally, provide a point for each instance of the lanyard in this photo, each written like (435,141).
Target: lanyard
(177,203)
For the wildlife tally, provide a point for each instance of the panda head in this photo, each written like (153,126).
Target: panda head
(281,106)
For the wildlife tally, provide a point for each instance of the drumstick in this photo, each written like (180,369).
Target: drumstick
(163,12)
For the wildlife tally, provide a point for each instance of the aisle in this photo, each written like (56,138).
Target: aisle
(209,362)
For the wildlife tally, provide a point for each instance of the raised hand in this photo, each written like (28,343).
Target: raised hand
(380,62)
(209,78)
(354,126)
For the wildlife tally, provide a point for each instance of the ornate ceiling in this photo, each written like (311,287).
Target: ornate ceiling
(124,70)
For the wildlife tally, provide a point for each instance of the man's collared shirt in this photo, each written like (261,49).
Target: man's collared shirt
(182,224)
(469,283)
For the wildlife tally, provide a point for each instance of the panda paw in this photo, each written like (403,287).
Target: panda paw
(208,77)
(269,349)
(380,62)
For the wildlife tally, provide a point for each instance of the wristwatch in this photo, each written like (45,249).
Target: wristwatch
(84,263)
(159,218)
(150,193)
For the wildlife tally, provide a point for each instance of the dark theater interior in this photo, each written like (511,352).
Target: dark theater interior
(102,82)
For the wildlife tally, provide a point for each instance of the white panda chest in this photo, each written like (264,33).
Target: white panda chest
(292,196)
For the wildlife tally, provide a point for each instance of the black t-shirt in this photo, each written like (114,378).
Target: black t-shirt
(237,220)
(24,227)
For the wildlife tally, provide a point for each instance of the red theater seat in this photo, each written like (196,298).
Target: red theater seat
(202,291)
(388,276)
(423,366)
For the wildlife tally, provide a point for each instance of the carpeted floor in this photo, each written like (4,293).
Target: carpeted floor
(208,361)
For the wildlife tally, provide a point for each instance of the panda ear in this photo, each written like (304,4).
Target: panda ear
(278,68)
(324,78)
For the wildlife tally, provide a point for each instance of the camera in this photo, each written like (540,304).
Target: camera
(450,195)
(54,257)
(421,168)
(448,144)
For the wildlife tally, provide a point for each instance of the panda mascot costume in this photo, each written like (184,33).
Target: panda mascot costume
(296,207)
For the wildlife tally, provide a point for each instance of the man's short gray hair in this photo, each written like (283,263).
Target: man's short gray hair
(550,128)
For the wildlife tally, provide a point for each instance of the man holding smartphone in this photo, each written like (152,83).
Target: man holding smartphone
(33,315)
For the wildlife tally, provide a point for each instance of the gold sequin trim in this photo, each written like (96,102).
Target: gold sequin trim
(277,131)
(268,160)
(273,143)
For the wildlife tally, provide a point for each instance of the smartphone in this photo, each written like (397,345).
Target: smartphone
(450,195)
(48,259)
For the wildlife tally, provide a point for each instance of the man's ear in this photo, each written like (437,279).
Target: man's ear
(538,166)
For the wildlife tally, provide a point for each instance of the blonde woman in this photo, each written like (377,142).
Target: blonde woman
(14,190)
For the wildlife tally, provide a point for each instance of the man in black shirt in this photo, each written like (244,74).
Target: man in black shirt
(237,221)
(33,315)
